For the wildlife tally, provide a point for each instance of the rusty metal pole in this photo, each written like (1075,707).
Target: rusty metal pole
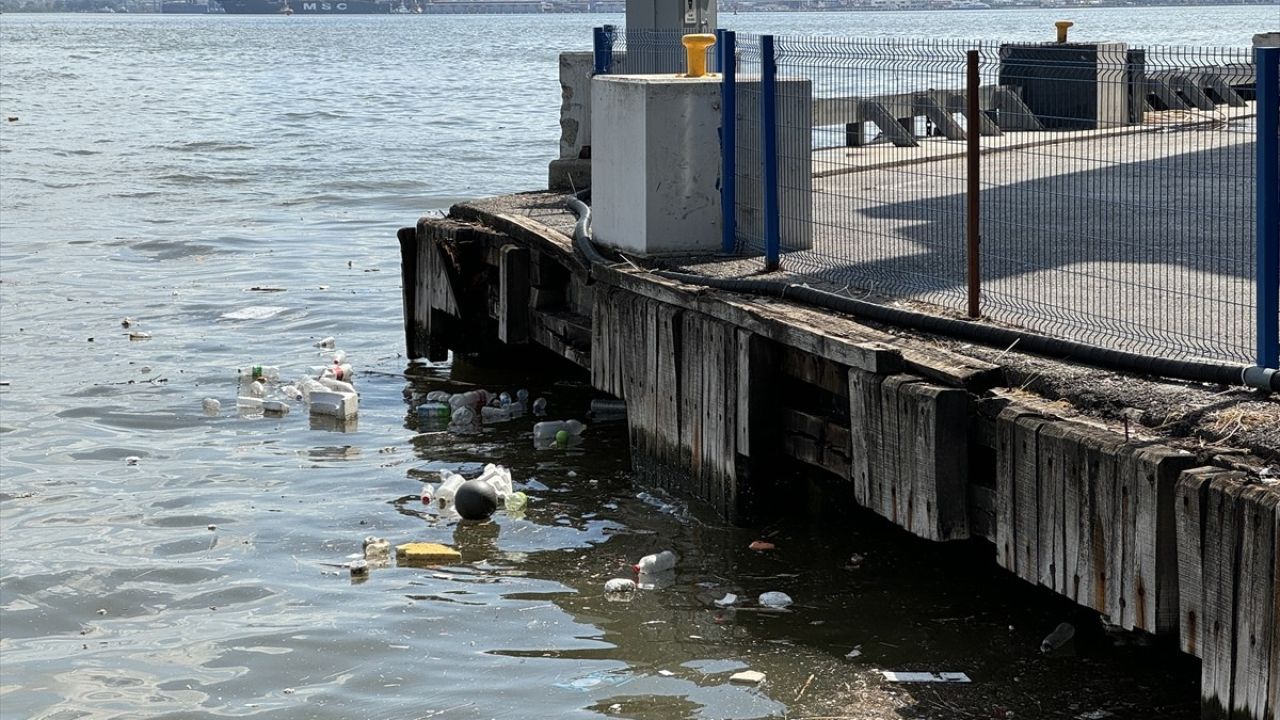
(973,186)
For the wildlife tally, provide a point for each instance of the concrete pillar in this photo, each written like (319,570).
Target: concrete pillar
(572,170)
(655,163)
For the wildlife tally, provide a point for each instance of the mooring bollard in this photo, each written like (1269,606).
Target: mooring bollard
(695,46)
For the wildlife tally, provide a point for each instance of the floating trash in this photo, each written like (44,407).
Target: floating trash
(775,600)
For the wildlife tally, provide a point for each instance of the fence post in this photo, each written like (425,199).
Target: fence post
(973,189)
(728,141)
(769,152)
(1267,64)
(602,48)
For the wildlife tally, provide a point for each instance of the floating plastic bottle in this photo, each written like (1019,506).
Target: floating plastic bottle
(438,396)
(325,343)
(657,562)
(463,417)
(428,493)
(341,372)
(1060,636)
(776,600)
(490,414)
(291,392)
(339,357)
(620,585)
(211,406)
(249,404)
(548,429)
(450,482)
(474,399)
(540,407)
(516,502)
(275,407)
(253,388)
(253,372)
(435,409)
(359,568)
(337,385)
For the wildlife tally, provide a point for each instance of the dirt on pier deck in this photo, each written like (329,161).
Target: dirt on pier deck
(1228,422)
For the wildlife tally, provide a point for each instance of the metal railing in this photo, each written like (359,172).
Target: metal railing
(1110,195)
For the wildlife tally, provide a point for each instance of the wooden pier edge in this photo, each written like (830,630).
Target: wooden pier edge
(721,389)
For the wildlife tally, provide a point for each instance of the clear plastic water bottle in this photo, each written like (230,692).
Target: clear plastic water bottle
(254,372)
(548,429)
(450,482)
(463,417)
(336,385)
(491,414)
(657,562)
(474,399)
(540,407)
(438,396)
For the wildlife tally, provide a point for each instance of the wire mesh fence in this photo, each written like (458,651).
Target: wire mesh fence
(1115,200)
(641,52)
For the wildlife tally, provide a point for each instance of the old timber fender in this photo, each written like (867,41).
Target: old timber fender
(724,390)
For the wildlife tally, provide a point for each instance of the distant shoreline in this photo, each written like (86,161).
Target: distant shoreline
(730,7)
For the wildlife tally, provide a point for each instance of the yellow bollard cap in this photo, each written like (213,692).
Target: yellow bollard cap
(696,45)
(1062,26)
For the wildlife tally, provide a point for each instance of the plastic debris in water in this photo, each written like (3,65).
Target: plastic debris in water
(924,677)
(211,406)
(774,599)
(1060,636)
(376,548)
(325,343)
(727,600)
(132,460)
(620,585)
(747,677)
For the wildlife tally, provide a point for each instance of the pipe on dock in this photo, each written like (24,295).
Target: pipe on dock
(1058,348)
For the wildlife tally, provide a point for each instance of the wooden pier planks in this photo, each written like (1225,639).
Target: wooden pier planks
(1089,516)
(908,441)
(1227,571)
(678,372)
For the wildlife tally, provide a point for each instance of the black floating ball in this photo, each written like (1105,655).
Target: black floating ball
(475,500)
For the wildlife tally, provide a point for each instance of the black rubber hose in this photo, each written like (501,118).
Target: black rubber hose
(1058,348)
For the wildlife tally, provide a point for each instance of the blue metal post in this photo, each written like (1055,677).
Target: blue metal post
(1267,62)
(769,151)
(728,141)
(602,48)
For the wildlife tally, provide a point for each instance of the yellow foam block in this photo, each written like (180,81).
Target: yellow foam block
(426,554)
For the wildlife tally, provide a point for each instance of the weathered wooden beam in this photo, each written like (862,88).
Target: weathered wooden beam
(1018,491)
(1253,671)
(816,371)
(909,442)
(772,320)
(816,441)
(564,334)
(1145,566)
(513,295)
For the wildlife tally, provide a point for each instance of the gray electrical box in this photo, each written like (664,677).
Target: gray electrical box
(654,29)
